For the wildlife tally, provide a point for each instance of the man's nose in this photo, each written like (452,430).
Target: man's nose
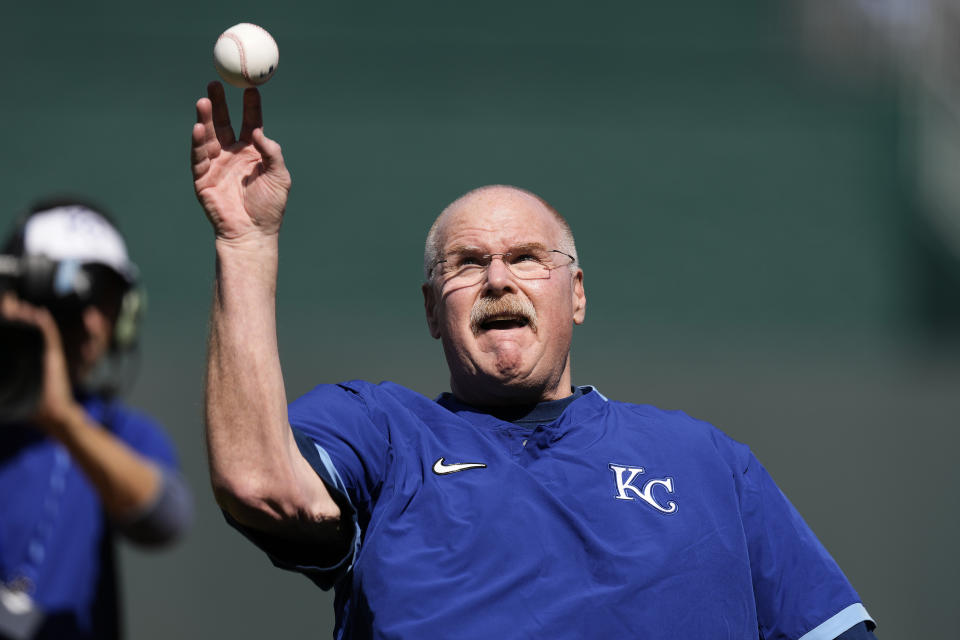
(498,276)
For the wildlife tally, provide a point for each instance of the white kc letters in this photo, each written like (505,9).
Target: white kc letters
(646,492)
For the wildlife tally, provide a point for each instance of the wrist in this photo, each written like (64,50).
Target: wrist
(251,244)
(254,246)
(60,420)
(246,271)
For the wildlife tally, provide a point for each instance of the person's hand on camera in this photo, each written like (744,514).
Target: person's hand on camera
(57,404)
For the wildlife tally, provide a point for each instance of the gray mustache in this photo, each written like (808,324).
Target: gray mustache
(488,307)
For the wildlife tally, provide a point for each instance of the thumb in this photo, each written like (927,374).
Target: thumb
(43,319)
(270,152)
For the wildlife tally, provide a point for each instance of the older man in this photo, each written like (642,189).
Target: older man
(515,506)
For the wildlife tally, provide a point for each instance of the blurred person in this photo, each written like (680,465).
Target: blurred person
(515,506)
(77,467)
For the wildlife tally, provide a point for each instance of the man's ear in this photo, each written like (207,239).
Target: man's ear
(579,298)
(430,299)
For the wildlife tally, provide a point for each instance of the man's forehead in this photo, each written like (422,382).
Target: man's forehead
(498,214)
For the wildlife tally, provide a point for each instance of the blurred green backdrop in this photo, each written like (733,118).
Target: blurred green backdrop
(753,249)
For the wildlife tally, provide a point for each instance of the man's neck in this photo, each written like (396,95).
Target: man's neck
(538,412)
(492,396)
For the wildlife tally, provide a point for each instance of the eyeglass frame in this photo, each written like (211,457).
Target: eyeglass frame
(489,257)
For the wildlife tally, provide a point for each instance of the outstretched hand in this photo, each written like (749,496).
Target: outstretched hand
(241,182)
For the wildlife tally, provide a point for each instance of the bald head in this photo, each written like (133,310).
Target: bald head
(489,196)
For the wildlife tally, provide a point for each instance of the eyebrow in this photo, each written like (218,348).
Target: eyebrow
(525,246)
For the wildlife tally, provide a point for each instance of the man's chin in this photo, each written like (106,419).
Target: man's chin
(500,382)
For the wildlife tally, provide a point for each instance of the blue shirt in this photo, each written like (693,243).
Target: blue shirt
(53,527)
(614,519)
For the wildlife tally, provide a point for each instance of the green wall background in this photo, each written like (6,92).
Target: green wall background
(752,249)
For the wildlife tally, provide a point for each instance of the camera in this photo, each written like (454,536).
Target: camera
(61,288)
(21,376)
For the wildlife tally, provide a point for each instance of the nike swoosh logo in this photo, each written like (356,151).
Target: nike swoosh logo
(441,469)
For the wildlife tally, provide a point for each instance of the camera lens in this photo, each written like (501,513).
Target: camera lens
(21,372)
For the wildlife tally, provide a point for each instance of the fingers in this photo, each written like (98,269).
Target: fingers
(199,155)
(11,308)
(14,309)
(252,114)
(204,143)
(205,117)
(221,115)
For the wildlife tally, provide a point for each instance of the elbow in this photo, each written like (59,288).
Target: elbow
(271,505)
(166,519)
(245,498)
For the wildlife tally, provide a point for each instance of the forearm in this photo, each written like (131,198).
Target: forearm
(245,397)
(257,473)
(125,481)
(147,504)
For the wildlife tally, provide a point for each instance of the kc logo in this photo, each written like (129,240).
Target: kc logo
(625,477)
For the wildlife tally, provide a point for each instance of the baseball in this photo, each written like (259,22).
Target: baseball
(246,55)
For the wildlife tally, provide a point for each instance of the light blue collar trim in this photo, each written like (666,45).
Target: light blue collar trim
(588,388)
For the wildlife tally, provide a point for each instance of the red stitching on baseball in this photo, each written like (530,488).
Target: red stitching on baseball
(243,57)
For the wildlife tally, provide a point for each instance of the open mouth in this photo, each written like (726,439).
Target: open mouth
(500,323)
(502,314)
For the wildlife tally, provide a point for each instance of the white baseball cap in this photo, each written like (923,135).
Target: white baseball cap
(77,233)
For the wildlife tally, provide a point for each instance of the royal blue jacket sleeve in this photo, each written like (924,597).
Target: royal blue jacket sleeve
(348,450)
(338,420)
(800,591)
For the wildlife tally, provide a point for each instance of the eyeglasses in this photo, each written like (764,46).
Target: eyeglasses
(467,268)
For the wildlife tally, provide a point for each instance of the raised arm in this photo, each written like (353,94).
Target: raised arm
(257,472)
